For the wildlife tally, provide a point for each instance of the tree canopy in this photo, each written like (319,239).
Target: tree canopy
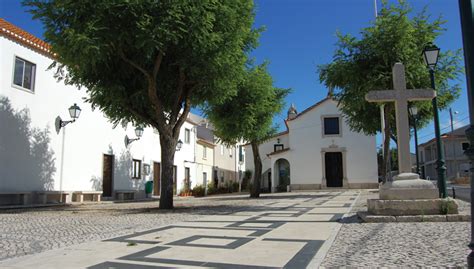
(148,62)
(361,64)
(248,116)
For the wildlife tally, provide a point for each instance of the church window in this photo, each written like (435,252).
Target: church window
(331,126)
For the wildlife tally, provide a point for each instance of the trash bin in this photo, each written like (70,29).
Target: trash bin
(148,188)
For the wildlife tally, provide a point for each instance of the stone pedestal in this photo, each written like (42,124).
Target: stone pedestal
(412,207)
(408,186)
(407,194)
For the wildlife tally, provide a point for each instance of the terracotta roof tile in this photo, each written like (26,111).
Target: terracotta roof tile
(17,34)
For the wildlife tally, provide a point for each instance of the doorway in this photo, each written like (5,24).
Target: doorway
(187,178)
(156,178)
(107,175)
(334,172)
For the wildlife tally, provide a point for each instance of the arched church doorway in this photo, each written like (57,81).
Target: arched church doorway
(282,174)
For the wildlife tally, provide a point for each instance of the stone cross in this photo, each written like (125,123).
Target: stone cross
(400,95)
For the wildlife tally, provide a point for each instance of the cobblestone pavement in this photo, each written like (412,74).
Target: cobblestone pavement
(34,230)
(422,244)
(287,230)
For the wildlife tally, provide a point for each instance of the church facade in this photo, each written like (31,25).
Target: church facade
(317,151)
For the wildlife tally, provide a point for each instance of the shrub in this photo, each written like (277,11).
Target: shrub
(211,189)
(235,186)
(246,180)
(199,191)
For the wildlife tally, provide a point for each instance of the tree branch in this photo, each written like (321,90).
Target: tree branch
(179,96)
(183,116)
(156,68)
(135,65)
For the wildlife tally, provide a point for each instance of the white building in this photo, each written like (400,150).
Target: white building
(318,150)
(86,155)
(454,144)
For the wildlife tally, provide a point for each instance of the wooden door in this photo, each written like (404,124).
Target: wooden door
(156,178)
(333,165)
(107,175)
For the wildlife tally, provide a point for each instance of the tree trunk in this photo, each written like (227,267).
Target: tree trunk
(386,143)
(257,175)
(168,145)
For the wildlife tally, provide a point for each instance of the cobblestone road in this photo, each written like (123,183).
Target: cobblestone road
(422,244)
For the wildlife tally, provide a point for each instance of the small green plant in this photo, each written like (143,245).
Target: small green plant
(447,206)
(199,191)
(211,189)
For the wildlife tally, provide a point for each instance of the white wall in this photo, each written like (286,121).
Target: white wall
(204,164)
(306,140)
(85,140)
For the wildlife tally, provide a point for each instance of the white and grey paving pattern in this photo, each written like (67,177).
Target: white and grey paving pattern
(279,231)
(288,230)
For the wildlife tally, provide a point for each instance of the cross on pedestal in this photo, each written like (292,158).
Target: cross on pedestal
(400,95)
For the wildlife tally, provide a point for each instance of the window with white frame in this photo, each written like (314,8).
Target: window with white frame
(204,152)
(187,136)
(24,74)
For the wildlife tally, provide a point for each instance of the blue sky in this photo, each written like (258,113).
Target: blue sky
(300,34)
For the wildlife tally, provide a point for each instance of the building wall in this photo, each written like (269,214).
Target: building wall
(225,166)
(265,148)
(204,165)
(456,162)
(85,141)
(307,140)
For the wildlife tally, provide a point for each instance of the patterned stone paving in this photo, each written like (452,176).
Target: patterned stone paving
(285,231)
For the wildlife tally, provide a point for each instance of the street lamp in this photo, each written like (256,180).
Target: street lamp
(430,56)
(414,113)
(179,145)
(138,133)
(74,112)
(466,8)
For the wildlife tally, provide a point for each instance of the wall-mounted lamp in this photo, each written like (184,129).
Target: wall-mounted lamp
(138,133)
(74,112)
(179,145)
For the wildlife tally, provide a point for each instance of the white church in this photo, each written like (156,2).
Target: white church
(317,151)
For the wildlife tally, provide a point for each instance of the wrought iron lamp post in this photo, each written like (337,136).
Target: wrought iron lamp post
(414,114)
(74,112)
(430,55)
(179,145)
(466,10)
(138,133)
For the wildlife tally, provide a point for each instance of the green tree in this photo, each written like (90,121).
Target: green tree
(365,63)
(148,62)
(248,116)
